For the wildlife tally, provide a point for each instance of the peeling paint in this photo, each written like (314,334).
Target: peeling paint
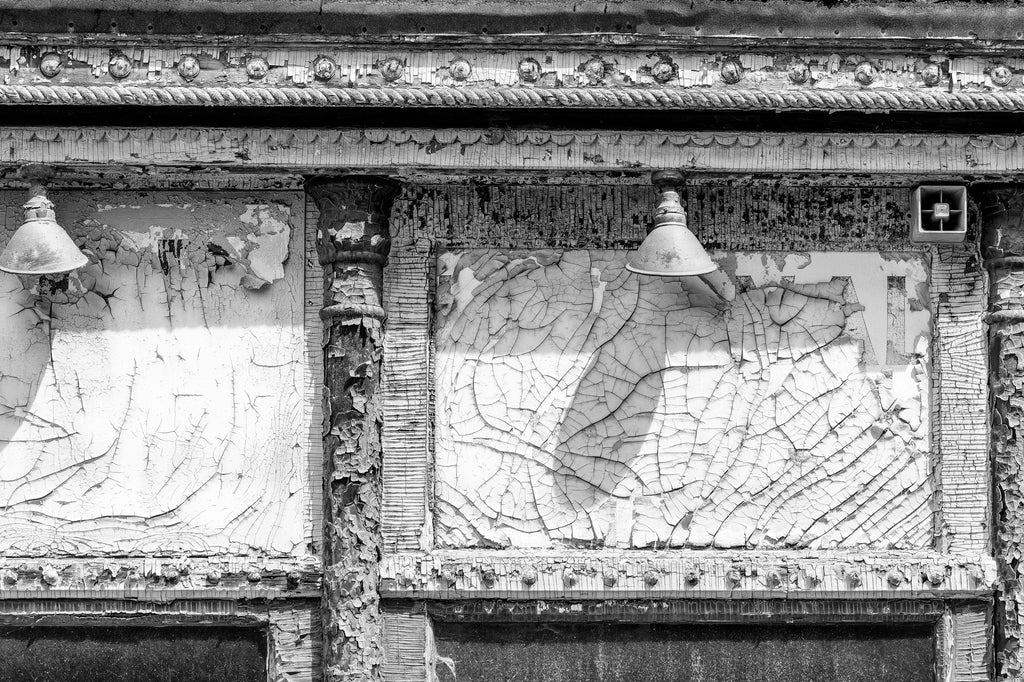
(579,404)
(164,411)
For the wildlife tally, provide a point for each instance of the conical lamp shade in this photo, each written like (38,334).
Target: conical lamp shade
(670,249)
(41,246)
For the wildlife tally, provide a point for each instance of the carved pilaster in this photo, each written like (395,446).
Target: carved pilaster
(1003,222)
(352,243)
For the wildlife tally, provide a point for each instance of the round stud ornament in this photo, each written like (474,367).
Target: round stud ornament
(1001,74)
(391,69)
(257,68)
(864,73)
(460,69)
(324,68)
(663,70)
(529,70)
(594,69)
(50,64)
(732,71)
(931,74)
(188,68)
(529,576)
(119,66)
(799,73)
(894,578)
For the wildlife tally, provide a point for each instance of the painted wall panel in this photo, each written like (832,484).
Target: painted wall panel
(783,402)
(164,411)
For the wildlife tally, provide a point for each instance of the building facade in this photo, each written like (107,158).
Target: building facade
(356,368)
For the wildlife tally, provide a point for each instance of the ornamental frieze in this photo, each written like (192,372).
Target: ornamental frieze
(325,74)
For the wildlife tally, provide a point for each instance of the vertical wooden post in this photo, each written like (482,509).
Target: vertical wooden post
(352,243)
(1003,249)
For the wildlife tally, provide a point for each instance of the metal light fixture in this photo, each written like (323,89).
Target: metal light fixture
(40,246)
(670,249)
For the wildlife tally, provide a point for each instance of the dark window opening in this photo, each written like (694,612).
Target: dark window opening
(132,654)
(611,652)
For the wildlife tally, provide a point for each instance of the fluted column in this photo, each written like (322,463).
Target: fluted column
(352,243)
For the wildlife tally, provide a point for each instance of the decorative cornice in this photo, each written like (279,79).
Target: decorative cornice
(478,151)
(160,578)
(793,78)
(515,98)
(685,574)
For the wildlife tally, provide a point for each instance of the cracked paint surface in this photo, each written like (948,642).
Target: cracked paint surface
(779,403)
(164,411)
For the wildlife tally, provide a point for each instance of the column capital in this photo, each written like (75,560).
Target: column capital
(353,222)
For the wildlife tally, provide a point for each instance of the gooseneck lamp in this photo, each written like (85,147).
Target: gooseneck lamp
(670,249)
(40,246)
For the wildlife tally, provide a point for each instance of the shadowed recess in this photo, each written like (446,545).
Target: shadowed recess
(611,652)
(138,654)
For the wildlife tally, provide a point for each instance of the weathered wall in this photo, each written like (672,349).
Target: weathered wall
(166,411)
(580,404)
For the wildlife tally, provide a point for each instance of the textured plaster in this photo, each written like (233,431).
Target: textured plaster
(164,411)
(782,402)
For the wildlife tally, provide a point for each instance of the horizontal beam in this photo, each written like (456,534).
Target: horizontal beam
(772,19)
(159,579)
(611,75)
(685,574)
(475,151)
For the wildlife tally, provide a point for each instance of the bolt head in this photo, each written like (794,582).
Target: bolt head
(732,71)
(774,580)
(854,579)
(188,67)
(1001,74)
(489,577)
(324,68)
(692,577)
(931,74)
(894,578)
(569,577)
(864,73)
(735,577)
(529,70)
(663,70)
(391,69)
(594,69)
(213,576)
(799,73)
(651,577)
(10,577)
(119,66)
(253,575)
(610,578)
(50,64)
(256,68)
(460,69)
(294,578)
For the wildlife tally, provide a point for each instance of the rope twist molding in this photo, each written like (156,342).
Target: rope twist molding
(514,97)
